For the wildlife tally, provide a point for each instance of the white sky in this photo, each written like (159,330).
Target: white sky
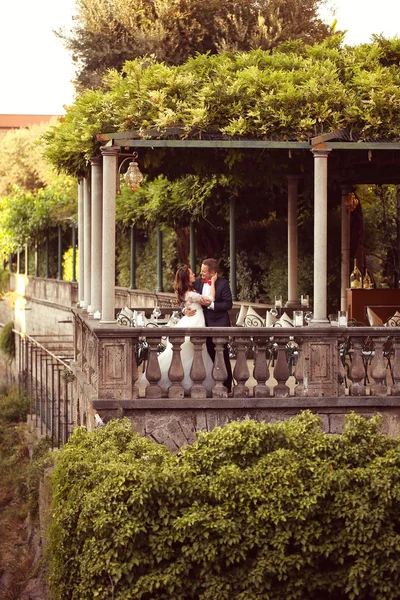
(36,71)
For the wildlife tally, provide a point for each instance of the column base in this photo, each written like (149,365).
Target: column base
(295,304)
(319,323)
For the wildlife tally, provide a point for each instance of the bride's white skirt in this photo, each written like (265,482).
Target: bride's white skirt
(187,354)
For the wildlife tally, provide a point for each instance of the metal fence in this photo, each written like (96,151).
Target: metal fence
(47,381)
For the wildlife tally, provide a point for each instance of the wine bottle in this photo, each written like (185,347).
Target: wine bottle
(367,282)
(355,277)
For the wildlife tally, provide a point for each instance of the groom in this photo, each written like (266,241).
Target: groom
(215,312)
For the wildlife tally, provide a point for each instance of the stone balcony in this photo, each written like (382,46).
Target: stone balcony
(278,372)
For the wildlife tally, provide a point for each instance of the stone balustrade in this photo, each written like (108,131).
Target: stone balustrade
(277,372)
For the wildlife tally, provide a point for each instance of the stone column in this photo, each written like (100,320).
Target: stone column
(132,285)
(345,242)
(320,235)
(59,255)
(73,252)
(97,220)
(293,254)
(26,260)
(47,255)
(87,243)
(110,164)
(192,242)
(159,260)
(36,259)
(81,250)
(232,247)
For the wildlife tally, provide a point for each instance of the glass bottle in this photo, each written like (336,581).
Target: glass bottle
(367,282)
(355,277)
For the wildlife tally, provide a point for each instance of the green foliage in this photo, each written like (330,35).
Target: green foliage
(4,281)
(21,160)
(146,260)
(253,510)
(67,264)
(42,459)
(14,406)
(109,32)
(380,219)
(294,91)
(7,341)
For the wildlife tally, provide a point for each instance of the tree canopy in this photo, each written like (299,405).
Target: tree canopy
(109,32)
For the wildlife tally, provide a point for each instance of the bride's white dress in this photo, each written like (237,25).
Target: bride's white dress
(187,350)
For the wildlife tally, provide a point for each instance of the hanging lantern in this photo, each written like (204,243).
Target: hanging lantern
(133,177)
(351,201)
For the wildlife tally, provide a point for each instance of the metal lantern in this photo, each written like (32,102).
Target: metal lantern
(133,177)
(351,201)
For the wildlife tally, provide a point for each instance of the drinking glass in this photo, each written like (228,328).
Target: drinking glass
(342,318)
(298,318)
(305,301)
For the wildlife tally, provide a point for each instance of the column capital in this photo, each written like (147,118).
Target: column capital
(293,178)
(96,160)
(109,150)
(321,152)
(345,188)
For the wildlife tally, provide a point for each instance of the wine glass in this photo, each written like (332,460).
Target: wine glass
(175,317)
(308,317)
(156,313)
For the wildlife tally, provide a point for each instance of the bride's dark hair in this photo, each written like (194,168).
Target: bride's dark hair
(182,283)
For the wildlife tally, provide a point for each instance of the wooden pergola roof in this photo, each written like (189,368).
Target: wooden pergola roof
(352,159)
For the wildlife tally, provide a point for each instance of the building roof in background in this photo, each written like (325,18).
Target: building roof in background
(8,122)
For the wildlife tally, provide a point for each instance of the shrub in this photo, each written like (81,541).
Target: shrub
(7,341)
(14,407)
(251,511)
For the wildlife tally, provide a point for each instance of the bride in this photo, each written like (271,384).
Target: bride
(191,299)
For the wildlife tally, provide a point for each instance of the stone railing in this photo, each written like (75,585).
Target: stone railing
(277,371)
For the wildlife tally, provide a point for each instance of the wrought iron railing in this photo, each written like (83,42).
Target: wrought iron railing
(47,381)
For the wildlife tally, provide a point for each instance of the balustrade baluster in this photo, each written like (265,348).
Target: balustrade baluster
(378,370)
(357,370)
(396,369)
(241,371)
(299,390)
(342,374)
(198,371)
(219,372)
(135,371)
(176,373)
(261,371)
(153,372)
(281,371)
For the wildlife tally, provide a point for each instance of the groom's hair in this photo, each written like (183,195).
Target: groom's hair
(212,264)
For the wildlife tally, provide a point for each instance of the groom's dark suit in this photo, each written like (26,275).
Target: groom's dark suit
(218,317)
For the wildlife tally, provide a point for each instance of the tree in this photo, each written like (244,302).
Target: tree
(21,160)
(108,33)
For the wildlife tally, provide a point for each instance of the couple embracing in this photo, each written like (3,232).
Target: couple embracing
(206,302)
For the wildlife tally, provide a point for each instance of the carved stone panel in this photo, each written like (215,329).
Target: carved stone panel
(115,369)
(320,369)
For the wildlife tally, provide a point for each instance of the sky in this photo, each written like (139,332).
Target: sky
(36,72)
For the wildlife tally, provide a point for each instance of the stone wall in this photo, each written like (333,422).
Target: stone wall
(176,423)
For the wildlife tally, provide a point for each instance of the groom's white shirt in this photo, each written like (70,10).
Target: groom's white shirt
(206,292)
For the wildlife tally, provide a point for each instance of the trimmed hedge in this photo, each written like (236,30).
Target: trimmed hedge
(252,511)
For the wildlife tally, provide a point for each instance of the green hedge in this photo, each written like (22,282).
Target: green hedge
(249,512)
